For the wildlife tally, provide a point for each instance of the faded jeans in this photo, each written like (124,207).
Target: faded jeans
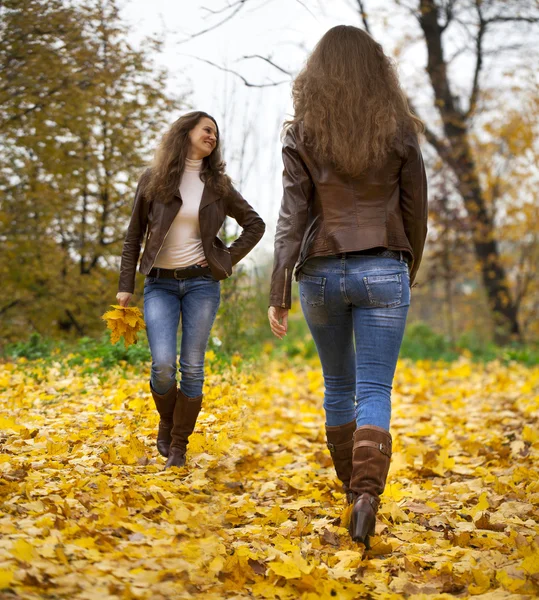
(356,308)
(196,300)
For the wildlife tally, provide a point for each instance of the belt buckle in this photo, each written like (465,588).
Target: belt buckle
(176,274)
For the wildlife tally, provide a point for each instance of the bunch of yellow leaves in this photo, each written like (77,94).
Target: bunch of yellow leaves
(124,321)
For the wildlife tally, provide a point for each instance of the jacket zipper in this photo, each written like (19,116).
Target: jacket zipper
(283,305)
(157,253)
(226,272)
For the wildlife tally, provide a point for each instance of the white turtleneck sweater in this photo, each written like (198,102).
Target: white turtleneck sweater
(182,246)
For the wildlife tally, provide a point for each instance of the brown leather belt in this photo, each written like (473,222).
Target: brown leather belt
(183,273)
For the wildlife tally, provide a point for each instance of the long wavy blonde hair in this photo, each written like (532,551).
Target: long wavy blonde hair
(169,161)
(350,101)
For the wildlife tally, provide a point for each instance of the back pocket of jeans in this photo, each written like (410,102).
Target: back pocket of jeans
(312,289)
(384,291)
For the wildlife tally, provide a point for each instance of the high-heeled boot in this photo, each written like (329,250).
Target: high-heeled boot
(165,404)
(185,418)
(340,442)
(370,465)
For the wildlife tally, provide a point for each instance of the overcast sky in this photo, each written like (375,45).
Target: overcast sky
(250,118)
(285,31)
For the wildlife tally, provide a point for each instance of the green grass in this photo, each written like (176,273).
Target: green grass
(256,343)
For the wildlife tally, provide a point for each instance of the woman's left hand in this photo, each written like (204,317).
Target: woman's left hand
(278,318)
(203,263)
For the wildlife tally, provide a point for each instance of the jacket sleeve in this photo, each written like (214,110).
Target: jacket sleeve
(413,200)
(293,217)
(133,239)
(251,223)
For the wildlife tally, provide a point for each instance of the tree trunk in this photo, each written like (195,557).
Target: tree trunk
(462,163)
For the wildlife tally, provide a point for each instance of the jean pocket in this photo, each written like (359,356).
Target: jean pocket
(312,289)
(384,291)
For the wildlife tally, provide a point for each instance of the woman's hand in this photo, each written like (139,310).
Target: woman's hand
(278,318)
(203,263)
(123,298)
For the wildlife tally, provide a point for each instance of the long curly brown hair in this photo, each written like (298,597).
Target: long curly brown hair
(169,161)
(350,101)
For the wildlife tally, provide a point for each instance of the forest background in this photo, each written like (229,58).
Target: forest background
(86,92)
(86,511)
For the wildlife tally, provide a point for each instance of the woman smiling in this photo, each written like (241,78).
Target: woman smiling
(180,205)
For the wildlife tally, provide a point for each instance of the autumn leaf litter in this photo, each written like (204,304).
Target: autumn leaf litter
(87,512)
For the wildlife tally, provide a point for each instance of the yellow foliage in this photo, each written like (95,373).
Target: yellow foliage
(23,551)
(124,321)
(6,577)
(88,512)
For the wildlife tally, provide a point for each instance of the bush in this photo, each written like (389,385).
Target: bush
(422,343)
(86,348)
(247,341)
(112,354)
(36,347)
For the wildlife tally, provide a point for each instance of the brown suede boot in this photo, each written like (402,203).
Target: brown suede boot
(185,418)
(165,404)
(340,441)
(372,454)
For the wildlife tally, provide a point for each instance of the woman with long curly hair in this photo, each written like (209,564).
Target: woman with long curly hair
(180,204)
(353,222)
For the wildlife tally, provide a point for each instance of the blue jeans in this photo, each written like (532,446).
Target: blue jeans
(356,308)
(196,300)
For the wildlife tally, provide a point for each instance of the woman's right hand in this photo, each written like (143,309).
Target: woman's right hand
(123,298)
(278,318)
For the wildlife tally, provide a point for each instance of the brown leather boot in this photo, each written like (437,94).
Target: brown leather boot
(340,441)
(185,418)
(372,454)
(165,404)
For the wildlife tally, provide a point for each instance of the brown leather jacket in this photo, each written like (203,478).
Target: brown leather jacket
(152,220)
(324,213)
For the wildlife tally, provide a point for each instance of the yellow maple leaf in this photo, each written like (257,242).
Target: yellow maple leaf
(286,569)
(530,434)
(481,505)
(481,582)
(6,577)
(109,455)
(133,453)
(23,551)
(394,491)
(124,321)
(512,584)
(531,563)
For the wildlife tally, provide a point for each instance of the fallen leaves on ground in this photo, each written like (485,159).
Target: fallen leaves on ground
(86,511)
(124,321)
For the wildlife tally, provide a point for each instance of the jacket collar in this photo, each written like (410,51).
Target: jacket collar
(208,196)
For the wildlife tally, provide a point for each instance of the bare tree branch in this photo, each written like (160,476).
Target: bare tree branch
(478,61)
(240,5)
(269,61)
(502,19)
(448,10)
(73,320)
(306,8)
(444,152)
(363,14)
(223,9)
(456,54)
(245,81)
(13,303)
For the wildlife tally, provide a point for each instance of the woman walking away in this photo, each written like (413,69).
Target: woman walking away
(180,204)
(353,221)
